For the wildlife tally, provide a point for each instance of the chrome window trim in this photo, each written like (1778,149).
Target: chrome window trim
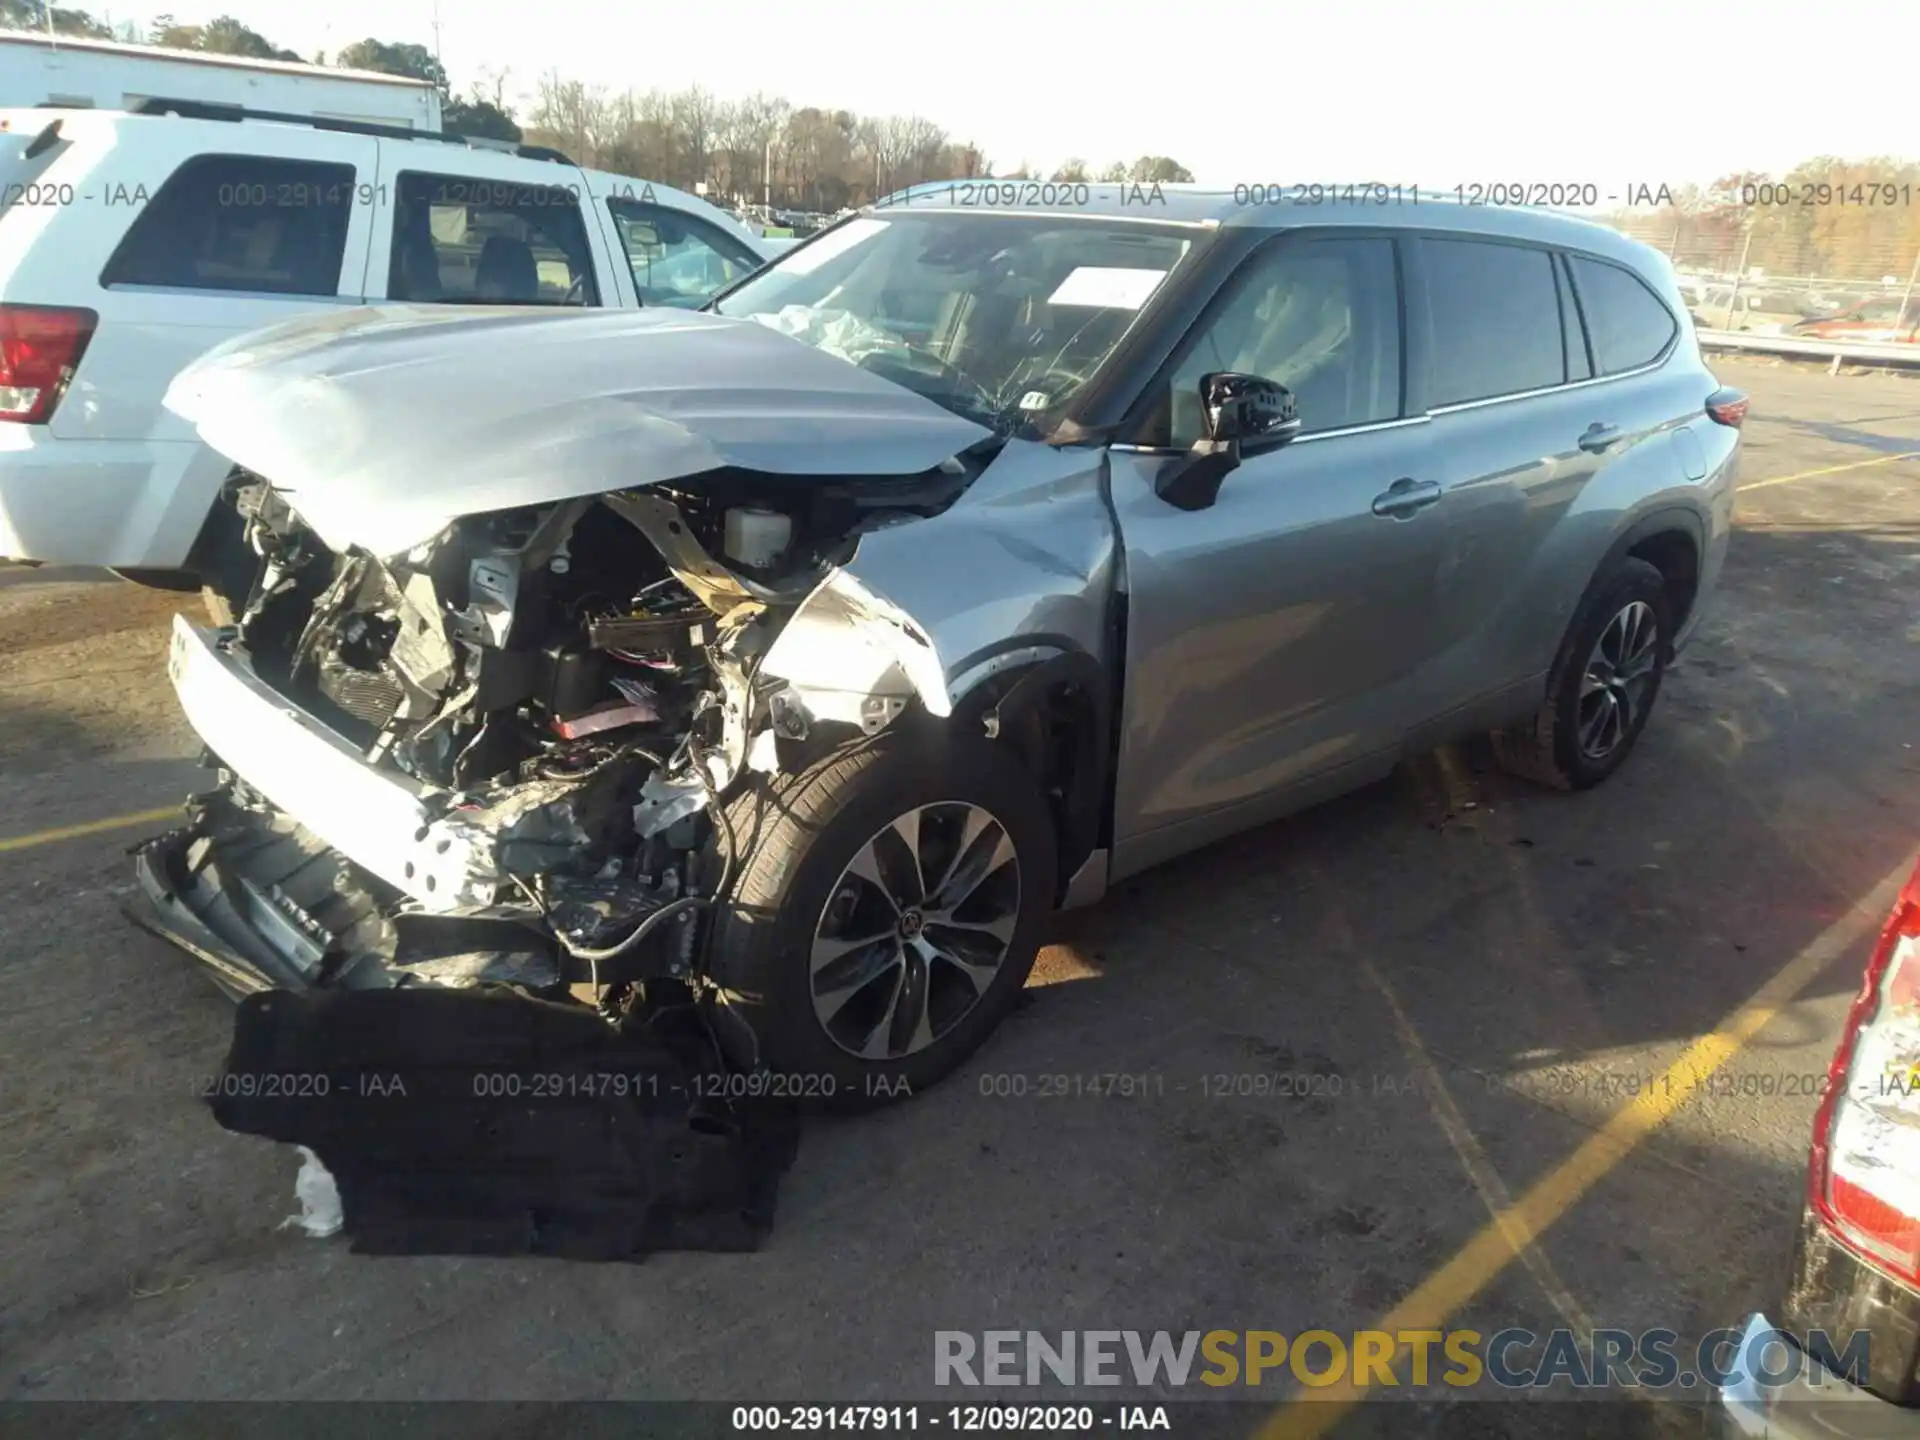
(1370,426)
(1564,385)
(1431,414)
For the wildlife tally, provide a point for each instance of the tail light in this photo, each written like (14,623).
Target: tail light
(1727,406)
(1864,1178)
(40,345)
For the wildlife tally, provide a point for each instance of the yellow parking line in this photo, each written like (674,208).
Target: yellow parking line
(1448,1290)
(90,827)
(1830,470)
(1472,1154)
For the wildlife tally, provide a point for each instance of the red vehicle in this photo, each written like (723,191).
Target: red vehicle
(1855,1284)
(1879,321)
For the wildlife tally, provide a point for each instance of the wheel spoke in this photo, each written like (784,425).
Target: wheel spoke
(866,866)
(978,975)
(974,823)
(910,1023)
(896,854)
(834,985)
(1593,727)
(880,1037)
(830,950)
(986,850)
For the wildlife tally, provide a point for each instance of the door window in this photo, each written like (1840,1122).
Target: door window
(1496,320)
(1321,317)
(676,258)
(462,240)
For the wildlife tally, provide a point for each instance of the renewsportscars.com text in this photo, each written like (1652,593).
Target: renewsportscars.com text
(1510,1359)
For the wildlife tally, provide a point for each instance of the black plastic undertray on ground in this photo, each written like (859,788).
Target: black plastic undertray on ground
(483,1121)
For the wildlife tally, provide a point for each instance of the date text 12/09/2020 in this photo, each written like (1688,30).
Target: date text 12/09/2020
(996,1419)
(559,1086)
(1554,194)
(1049,194)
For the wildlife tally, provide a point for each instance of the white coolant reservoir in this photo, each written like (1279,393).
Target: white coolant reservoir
(756,538)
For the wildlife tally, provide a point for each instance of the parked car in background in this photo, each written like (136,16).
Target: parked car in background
(809,650)
(1753,308)
(131,243)
(1883,321)
(1856,1262)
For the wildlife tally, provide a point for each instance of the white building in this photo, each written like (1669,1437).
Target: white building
(38,69)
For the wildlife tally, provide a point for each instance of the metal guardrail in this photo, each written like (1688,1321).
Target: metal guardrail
(1884,352)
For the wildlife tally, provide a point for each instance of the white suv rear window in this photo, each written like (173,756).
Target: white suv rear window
(241,222)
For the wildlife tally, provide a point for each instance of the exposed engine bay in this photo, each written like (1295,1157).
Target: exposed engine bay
(572,691)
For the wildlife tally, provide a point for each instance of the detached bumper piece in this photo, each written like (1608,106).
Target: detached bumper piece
(1810,1402)
(483,1121)
(265,904)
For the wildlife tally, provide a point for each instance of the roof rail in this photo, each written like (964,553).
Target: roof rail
(222,110)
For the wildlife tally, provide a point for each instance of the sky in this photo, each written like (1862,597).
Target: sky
(1616,95)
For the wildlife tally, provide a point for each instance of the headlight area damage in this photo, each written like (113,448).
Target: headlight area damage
(476,775)
(500,756)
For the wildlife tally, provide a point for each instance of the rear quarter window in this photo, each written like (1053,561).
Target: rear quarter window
(1626,322)
(241,222)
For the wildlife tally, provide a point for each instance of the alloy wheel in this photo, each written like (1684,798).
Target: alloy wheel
(1619,673)
(914,931)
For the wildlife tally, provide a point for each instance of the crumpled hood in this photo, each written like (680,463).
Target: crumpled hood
(383,424)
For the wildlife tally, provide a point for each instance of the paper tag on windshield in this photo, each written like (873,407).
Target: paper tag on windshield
(809,259)
(1107,287)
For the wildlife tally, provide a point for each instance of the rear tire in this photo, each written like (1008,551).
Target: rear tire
(836,1013)
(1603,684)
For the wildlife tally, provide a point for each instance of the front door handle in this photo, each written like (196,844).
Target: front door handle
(1598,437)
(1405,497)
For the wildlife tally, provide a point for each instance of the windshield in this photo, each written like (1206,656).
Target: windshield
(998,317)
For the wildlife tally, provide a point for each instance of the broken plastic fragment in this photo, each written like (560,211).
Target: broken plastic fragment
(663,802)
(319,1198)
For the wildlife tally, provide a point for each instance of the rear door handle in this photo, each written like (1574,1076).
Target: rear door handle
(1598,437)
(1405,497)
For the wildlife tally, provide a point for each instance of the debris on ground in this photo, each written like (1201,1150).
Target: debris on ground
(484,1121)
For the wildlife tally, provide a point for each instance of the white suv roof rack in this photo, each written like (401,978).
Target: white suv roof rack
(218,110)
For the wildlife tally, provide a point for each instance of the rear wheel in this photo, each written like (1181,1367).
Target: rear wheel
(1604,682)
(889,905)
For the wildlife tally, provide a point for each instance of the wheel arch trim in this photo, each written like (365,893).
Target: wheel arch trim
(1007,692)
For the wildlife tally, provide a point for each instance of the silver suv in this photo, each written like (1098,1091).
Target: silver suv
(807,652)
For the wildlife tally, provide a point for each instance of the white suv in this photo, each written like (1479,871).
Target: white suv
(131,243)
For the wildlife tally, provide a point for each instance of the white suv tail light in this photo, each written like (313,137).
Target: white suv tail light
(40,346)
(1864,1178)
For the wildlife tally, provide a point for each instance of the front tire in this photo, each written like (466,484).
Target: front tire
(890,901)
(1604,682)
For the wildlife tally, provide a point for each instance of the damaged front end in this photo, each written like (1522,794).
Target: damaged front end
(504,754)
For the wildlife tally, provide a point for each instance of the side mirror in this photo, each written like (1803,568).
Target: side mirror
(1245,415)
(1258,412)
